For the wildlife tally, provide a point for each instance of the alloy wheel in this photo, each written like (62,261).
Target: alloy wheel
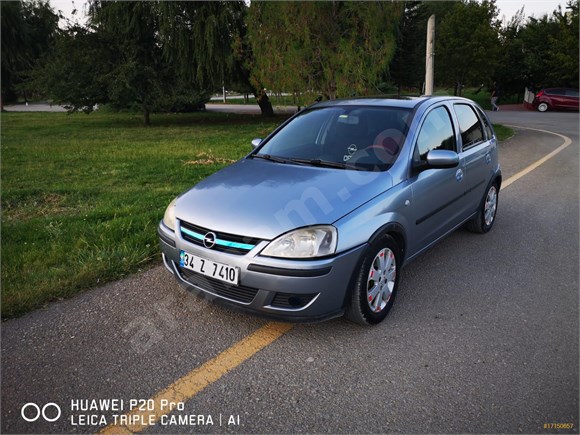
(490,206)
(381,280)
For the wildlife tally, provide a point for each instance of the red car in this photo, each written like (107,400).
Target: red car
(556,98)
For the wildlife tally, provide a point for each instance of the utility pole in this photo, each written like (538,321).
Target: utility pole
(430,56)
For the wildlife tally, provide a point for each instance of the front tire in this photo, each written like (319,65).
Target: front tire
(542,107)
(485,218)
(376,282)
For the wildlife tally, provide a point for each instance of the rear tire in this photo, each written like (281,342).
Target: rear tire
(485,218)
(375,282)
(542,107)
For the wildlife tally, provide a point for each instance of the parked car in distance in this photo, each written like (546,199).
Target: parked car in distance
(319,219)
(556,99)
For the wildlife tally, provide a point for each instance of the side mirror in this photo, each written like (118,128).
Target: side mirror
(437,159)
(256,142)
(441,159)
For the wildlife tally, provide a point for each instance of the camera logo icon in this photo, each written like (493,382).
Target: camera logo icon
(31,412)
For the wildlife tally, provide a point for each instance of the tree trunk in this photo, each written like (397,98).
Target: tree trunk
(146,119)
(331,90)
(264,103)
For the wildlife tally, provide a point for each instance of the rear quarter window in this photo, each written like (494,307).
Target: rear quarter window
(486,123)
(555,91)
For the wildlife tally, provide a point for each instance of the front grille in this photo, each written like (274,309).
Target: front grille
(230,243)
(237,293)
(291,300)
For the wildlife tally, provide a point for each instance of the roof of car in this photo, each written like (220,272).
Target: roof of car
(386,101)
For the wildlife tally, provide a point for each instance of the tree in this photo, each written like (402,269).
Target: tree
(242,75)
(338,48)
(563,54)
(153,55)
(540,52)
(28,31)
(467,44)
(115,60)
(512,75)
(408,66)
(535,40)
(76,72)
(139,76)
(207,42)
(196,38)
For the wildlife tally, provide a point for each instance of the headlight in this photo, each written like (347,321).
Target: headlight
(169,217)
(304,243)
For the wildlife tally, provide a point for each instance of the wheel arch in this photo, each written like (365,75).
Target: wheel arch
(498,179)
(397,232)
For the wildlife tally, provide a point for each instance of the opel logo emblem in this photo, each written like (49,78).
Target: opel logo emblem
(209,240)
(352,149)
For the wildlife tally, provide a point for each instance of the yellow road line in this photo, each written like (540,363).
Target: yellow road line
(525,171)
(188,386)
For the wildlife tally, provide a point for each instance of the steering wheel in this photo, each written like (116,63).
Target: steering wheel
(389,141)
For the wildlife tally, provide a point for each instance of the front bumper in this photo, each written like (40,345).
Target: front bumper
(291,290)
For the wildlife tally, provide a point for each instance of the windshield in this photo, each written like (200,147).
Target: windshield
(363,138)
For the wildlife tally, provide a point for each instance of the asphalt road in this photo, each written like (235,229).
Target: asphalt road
(483,337)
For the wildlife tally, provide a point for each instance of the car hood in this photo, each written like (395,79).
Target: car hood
(263,199)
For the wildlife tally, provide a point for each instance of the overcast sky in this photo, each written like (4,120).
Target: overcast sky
(536,8)
(506,7)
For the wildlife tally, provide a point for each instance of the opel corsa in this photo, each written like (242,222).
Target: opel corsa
(318,220)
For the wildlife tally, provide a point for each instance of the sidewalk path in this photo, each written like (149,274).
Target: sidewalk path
(37,107)
(250,109)
(253,109)
(512,108)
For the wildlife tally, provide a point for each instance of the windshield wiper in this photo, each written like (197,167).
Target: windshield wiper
(325,163)
(269,157)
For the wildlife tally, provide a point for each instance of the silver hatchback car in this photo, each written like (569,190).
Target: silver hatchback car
(318,220)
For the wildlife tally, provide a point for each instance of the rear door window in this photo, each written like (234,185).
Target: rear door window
(470,126)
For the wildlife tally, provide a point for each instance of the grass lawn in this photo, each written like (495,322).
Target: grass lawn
(502,132)
(82,195)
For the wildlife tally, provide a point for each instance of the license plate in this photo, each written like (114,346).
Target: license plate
(206,267)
